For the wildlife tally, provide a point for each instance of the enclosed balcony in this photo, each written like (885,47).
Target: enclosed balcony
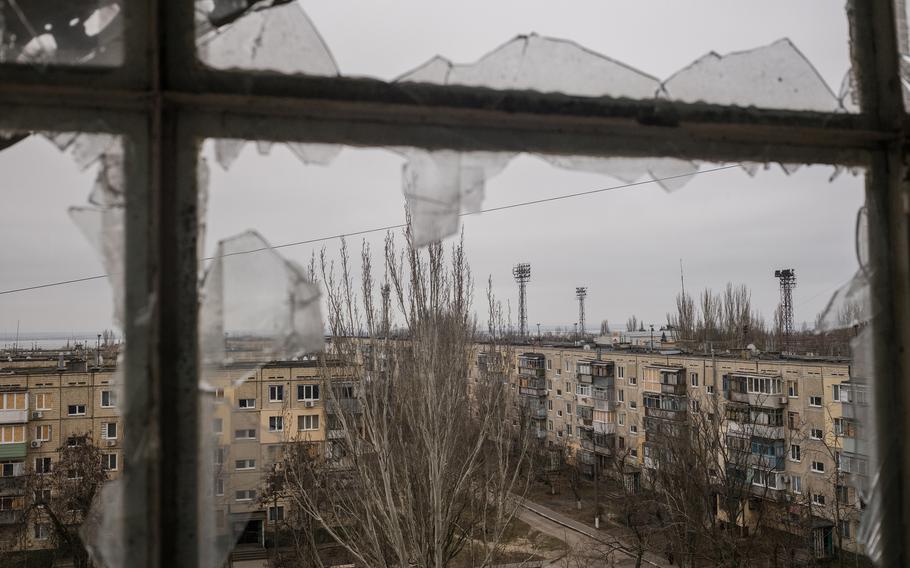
(755,390)
(583,372)
(347,405)
(10,517)
(677,415)
(14,407)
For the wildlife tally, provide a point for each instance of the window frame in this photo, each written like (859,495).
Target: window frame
(163,103)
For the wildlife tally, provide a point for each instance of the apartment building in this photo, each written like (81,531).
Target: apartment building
(256,410)
(43,409)
(787,427)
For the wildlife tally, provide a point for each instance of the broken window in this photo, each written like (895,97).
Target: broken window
(453,142)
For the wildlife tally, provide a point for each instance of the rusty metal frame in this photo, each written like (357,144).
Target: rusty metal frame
(165,104)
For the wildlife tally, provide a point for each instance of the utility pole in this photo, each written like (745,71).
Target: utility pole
(538,332)
(522,274)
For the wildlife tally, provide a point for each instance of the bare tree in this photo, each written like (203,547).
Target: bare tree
(604,327)
(60,500)
(632,324)
(426,466)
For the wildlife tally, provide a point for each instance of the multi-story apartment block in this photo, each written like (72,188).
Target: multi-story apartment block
(786,427)
(43,409)
(256,412)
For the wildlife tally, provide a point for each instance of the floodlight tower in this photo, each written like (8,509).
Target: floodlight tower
(522,274)
(580,293)
(787,277)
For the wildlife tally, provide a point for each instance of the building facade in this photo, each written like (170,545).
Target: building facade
(787,428)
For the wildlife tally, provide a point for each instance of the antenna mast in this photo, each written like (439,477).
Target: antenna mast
(787,277)
(580,293)
(522,274)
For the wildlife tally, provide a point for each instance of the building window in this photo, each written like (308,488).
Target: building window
(42,401)
(549,405)
(550,425)
(795,452)
(245,495)
(816,433)
(693,379)
(844,528)
(622,419)
(276,423)
(793,389)
(583,390)
(307,392)
(308,422)
(622,372)
(818,467)
(246,434)
(43,465)
(569,408)
(109,430)
(696,405)
(839,394)
(633,405)
(796,484)
(762,385)
(276,514)
(245,464)
(42,531)
(558,372)
(633,452)
(633,381)
(109,462)
(108,399)
(549,365)
(569,429)
(12,434)
(633,428)
(559,413)
(219,456)
(622,395)
(219,393)
(246,403)
(219,486)
(217,425)
(12,401)
(815,401)
(276,393)
(549,384)
(559,433)
(567,367)
(76,410)
(622,443)
(818,499)
(709,389)
(43,433)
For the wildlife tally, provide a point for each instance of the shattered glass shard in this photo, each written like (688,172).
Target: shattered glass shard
(533,62)
(774,76)
(670,173)
(250,290)
(77,32)
(440,186)
(103,227)
(281,39)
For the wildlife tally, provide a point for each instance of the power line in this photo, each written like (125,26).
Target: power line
(400,225)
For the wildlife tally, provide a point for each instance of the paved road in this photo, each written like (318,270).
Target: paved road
(581,538)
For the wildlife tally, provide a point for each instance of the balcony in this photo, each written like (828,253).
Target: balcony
(12,485)
(758,399)
(587,444)
(676,415)
(851,445)
(348,405)
(531,373)
(758,430)
(605,427)
(13,416)
(584,378)
(9,517)
(541,434)
(532,391)
(604,404)
(604,382)
(13,451)
(334,434)
(678,390)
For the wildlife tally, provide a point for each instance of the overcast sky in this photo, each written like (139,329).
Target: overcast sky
(625,245)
